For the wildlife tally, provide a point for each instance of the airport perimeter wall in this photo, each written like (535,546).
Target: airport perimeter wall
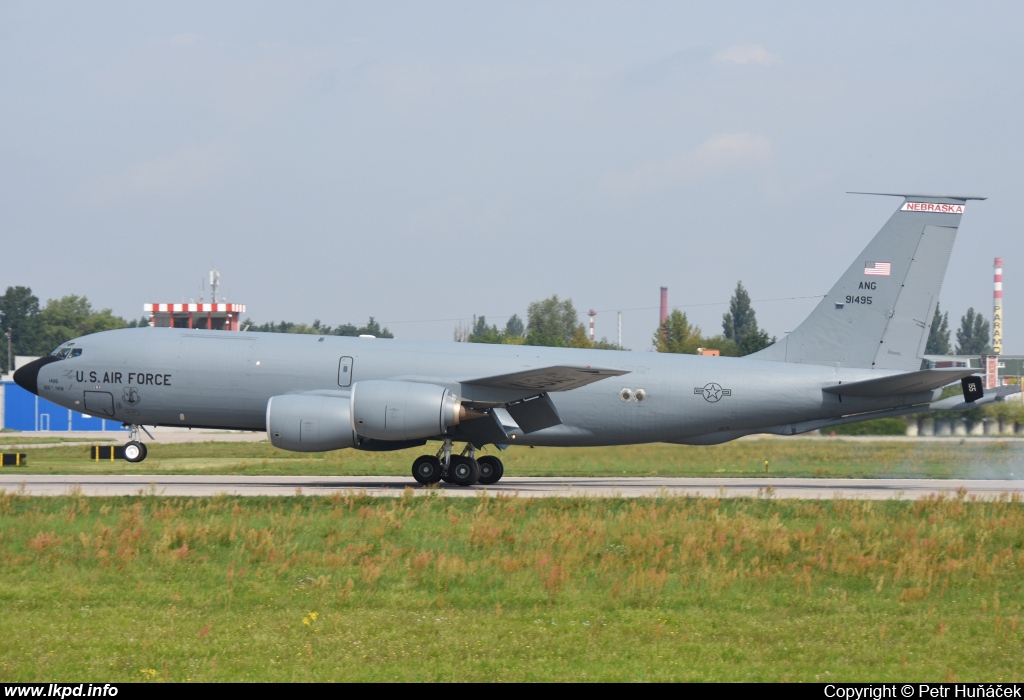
(924,426)
(21,410)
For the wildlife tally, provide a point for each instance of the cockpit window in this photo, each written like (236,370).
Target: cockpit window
(63,353)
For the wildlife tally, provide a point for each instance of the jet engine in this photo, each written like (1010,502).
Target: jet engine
(309,423)
(393,410)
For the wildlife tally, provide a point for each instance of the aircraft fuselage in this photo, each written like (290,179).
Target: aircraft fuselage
(218,379)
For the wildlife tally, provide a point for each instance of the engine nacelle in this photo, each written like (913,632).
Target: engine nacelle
(305,423)
(390,410)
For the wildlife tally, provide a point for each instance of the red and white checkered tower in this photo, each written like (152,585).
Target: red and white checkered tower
(997,309)
(215,316)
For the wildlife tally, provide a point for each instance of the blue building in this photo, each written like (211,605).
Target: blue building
(25,411)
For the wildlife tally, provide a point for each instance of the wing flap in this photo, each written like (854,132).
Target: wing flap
(534,414)
(897,384)
(542,379)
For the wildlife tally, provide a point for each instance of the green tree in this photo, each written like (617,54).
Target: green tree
(740,320)
(581,339)
(512,334)
(677,335)
(938,334)
(753,341)
(72,316)
(482,333)
(973,336)
(372,327)
(514,327)
(551,322)
(19,314)
(724,346)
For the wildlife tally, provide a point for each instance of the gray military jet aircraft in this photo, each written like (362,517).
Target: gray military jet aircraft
(856,357)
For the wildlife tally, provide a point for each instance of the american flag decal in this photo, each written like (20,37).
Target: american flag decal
(880,269)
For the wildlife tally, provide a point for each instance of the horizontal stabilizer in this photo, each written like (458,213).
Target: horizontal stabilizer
(558,378)
(898,384)
(905,195)
(957,403)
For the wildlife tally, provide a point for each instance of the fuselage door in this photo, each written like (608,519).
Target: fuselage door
(345,372)
(101,402)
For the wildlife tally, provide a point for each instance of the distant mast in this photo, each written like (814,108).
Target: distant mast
(664,314)
(997,309)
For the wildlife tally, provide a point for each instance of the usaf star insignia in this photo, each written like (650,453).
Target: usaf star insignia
(712,392)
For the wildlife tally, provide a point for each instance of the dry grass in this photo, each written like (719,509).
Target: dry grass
(355,588)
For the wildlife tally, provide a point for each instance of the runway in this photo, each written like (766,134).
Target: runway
(531,487)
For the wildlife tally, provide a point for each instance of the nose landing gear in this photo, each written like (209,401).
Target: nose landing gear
(135,450)
(462,470)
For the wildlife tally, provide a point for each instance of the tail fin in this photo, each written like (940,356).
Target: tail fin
(878,314)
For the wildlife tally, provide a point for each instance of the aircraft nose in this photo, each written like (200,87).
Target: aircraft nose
(27,377)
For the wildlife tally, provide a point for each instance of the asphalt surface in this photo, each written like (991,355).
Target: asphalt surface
(10,439)
(639,487)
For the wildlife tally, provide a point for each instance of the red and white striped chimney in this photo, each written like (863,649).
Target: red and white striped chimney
(592,314)
(997,309)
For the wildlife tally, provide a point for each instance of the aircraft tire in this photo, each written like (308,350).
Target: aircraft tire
(463,471)
(427,470)
(135,451)
(491,470)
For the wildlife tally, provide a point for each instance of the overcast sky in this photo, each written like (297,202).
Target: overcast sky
(422,162)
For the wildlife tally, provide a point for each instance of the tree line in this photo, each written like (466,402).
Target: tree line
(740,333)
(973,338)
(555,322)
(741,336)
(372,327)
(36,329)
(551,322)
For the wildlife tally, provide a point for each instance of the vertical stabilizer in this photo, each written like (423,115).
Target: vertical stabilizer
(878,314)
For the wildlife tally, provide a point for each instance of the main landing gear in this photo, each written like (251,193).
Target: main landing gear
(462,470)
(135,450)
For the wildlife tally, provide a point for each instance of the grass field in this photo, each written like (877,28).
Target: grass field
(786,457)
(355,588)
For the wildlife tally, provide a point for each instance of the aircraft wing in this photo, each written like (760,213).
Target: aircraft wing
(907,383)
(544,379)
